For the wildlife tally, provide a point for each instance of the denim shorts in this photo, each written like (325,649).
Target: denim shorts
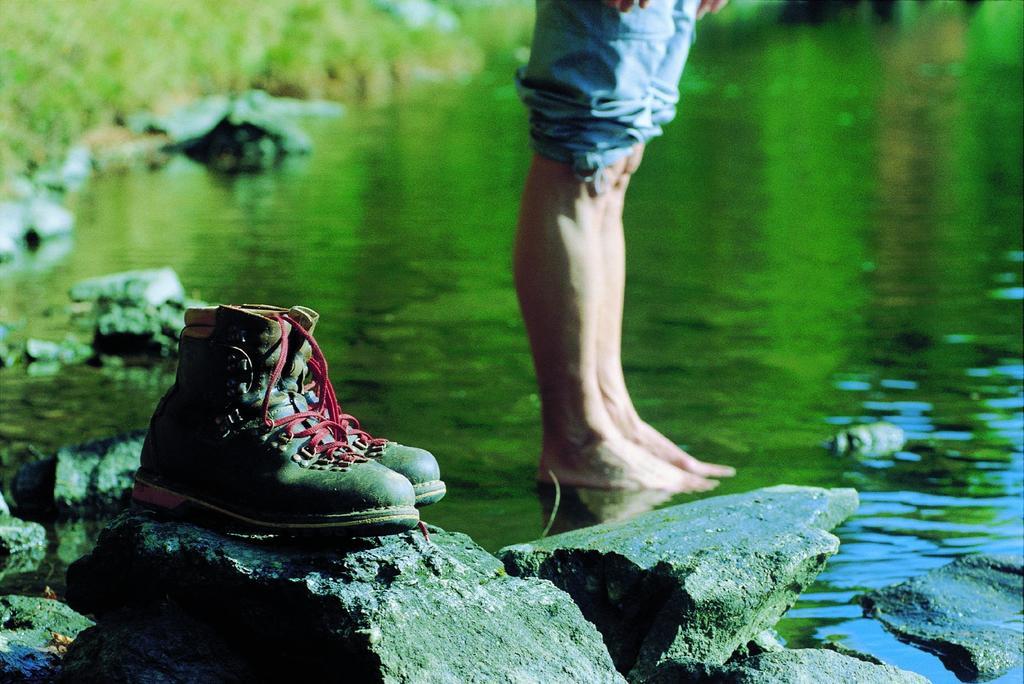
(600,81)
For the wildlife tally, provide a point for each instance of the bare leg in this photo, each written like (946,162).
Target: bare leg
(610,376)
(559,274)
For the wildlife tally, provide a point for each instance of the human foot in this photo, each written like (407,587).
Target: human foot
(639,432)
(613,462)
(664,448)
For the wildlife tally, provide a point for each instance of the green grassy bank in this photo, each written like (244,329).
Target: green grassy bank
(70,66)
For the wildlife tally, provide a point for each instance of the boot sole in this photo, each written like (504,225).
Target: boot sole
(429,492)
(169,499)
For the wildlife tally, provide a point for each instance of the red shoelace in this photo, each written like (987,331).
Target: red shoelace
(325,415)
(328,437)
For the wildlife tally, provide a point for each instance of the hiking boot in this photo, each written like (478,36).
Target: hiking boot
(233,440)
(417,465)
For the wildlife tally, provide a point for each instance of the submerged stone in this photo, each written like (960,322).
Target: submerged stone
(871,439)
(385,609)
(695,581)
(968,612)
(33,634)
(801,666)
(68,351)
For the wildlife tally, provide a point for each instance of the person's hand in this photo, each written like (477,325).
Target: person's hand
(706,6)
(626,5)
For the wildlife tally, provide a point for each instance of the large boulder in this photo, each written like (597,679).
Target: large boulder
(801,666)
(968,612)
(33,634)
(160,643)
(695,581)
(389,609)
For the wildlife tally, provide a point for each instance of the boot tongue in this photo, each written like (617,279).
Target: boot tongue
(304,316)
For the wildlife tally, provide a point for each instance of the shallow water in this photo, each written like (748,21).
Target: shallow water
(829,233)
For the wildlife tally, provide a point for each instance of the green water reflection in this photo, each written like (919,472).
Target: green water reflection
(830,232)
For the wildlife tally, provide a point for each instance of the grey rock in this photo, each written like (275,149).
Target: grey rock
(68,351)
(968,612)
(29,649)
(21,563)
(47,218)
(19,536)
(248,132)
(70,175)
(96,477)
(159,643)
(135,311)
(83,480)
(22,544)
(802,666)
(13,226)
(151,287)
(694,581)
(387,609)
(871,439)
(39,258)
(129,329)
(9,247)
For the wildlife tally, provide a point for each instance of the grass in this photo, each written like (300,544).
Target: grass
(67,67)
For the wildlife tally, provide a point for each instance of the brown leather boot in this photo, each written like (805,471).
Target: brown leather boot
(234,440)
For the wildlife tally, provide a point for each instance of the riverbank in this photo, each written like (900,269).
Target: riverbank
(65,72)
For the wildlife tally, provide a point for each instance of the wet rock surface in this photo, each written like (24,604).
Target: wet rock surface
(160,643)
(85,480)
(968,612)
(386,609)
(692,582)
(33,634)
(801,666)
(18,537)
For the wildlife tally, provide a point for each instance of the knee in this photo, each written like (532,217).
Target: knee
(618,174)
